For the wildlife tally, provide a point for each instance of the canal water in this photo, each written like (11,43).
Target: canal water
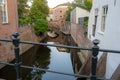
(47,58)
(54,60)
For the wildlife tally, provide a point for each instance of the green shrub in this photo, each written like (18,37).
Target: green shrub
(40,26)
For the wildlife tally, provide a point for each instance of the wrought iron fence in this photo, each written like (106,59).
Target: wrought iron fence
(95,49)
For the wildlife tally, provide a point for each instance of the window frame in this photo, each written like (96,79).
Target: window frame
(95,21)
(4,12)
(103,18)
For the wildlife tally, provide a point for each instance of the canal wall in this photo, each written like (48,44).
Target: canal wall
(7,48)
(79,34)
(82,58)
(74,35)
(27,58)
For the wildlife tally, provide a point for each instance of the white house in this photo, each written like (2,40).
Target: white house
(104,24)
(78,13)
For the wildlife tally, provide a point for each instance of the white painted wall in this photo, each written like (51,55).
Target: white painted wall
(110,38)
(73,16)
(77,13)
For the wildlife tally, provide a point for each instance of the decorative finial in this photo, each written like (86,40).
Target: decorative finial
(15,34)
(96,42)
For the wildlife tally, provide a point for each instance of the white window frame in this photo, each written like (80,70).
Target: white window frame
(103,18)
(4,11)
(95,22)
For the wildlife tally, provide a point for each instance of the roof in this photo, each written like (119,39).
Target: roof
(64,4)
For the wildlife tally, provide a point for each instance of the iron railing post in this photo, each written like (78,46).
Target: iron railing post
(15,41)
(95,50)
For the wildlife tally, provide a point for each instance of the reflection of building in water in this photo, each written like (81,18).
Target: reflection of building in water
(42,60)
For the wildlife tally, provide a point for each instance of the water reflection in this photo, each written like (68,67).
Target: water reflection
(42,60)
(50,58)
(61,62)
(44,57)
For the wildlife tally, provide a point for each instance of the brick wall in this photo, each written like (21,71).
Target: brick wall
(59,12)
(7,49)
(78,33)
(6,30)
(27,34)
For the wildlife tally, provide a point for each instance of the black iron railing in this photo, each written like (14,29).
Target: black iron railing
(95,49)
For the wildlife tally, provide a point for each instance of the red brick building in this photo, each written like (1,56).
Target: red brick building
(8,18)
(8,25)
(59,14)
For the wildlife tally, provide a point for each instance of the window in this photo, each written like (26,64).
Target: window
(114,2)
(79,1)
(60,11)
(95,21)
(4,11)
(60,16)
(103,19)
(82,1)
(81,21)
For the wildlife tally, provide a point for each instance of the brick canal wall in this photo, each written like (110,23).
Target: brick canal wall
(79,34)
(7,48)
(27,34)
